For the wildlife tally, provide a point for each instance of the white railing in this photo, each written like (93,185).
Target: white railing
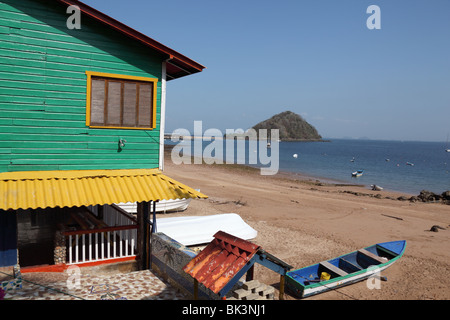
(101,244)
(115,239)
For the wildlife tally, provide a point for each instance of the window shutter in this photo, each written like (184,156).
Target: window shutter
(113,103)
(145,103)
(129,105)
(98,102)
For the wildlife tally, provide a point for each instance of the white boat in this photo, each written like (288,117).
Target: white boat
(357,173)
(198,230)
(376,188)
(161,206)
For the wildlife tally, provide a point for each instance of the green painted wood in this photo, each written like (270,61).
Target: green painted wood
(43,92)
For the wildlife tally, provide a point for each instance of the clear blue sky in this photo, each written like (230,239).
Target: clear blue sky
(316,58)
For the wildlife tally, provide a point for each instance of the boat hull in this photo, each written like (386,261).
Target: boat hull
(161,206)
(357,173)
(355,266)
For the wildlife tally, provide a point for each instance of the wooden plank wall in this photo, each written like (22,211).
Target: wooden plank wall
(43,92)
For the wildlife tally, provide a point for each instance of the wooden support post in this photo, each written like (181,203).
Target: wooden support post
(146,209)
(147,246)
(152,207)
(195,289)
(250,273)
(100,212)
(143,234)
(281,297)
(140,234)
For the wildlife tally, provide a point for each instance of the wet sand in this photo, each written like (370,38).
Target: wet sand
(303,221)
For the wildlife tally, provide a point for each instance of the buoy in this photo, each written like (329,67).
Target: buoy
(295,155)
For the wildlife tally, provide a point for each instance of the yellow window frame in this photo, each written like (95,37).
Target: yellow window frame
(91,74)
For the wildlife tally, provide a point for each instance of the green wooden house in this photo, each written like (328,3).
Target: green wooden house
(82,114)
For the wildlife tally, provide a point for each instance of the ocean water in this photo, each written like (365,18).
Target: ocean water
(385,163)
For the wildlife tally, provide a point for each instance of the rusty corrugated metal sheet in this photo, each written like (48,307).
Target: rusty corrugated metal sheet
(221,260)
(42,189)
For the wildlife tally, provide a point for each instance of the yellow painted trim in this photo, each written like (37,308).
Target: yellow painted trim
(120,76)
(155,93)
(88,99)
(128,128)
(90,74)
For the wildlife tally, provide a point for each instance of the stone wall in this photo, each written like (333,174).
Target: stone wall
(60,251)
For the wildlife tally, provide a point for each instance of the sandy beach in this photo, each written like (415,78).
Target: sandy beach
(304,222)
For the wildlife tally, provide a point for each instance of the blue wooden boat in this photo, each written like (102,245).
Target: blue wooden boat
(344,270)
(357,173)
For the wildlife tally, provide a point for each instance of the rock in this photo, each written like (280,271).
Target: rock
(436,228)
(428,196)
(446,195)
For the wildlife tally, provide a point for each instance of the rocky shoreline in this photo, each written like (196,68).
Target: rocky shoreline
(428,196)
(424,196)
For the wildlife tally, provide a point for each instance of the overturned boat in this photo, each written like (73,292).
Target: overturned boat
(163,206)
(197,230)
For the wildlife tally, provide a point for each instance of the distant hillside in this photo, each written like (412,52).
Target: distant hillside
(291,127)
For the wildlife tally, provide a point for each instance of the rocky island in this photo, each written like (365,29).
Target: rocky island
(291,126)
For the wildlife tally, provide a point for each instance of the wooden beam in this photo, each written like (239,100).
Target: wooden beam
(140,234)
(372,256)
(195,289)
(281,296)
(333,268)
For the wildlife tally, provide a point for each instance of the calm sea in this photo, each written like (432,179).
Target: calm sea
(407,167)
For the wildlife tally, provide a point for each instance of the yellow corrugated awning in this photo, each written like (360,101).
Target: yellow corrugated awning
(42,189)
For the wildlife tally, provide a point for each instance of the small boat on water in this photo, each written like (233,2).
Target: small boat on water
(344,270)
(410,164)
(357,173)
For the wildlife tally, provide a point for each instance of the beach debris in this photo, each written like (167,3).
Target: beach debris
(239,203)
(386,215)
(218,201)
(436,228)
